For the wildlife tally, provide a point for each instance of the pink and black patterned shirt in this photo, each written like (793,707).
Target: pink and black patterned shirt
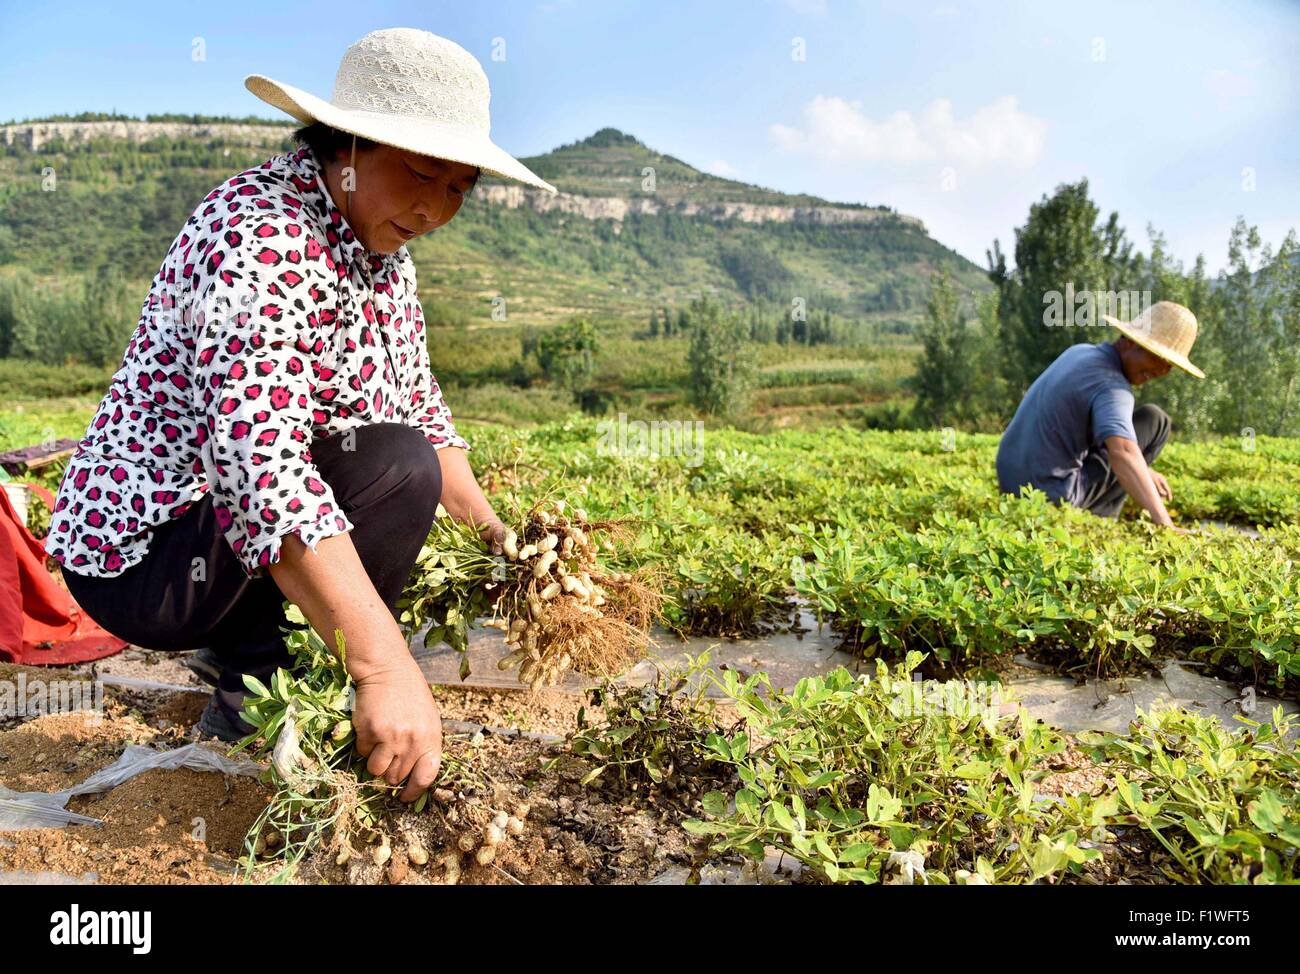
(268,324)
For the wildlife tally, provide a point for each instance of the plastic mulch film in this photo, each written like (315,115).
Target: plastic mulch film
(48,810)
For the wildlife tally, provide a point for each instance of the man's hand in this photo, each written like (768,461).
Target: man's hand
(1162,486)
(399,729)
(1137,479)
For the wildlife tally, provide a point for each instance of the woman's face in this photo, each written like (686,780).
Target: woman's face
(398,195)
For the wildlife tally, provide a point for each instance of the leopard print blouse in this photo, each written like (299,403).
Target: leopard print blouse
(268,324)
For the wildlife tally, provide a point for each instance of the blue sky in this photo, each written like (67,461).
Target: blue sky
(1181,114)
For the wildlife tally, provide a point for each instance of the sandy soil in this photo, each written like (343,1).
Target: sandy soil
(544,712)
(190,827)
(160,827)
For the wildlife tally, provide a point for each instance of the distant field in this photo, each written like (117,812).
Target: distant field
(484,378)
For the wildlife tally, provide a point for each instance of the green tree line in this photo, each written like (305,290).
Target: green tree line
(87,319)
(974,369)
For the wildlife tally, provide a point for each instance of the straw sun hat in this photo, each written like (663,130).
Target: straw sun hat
(1166,330)
(410,89)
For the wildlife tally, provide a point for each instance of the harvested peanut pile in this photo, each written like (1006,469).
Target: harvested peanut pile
(559,608)
(530,822)
(569,613)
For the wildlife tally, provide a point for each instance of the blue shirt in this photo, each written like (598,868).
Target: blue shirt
(1079,400)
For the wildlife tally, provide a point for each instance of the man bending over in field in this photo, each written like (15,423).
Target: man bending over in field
(1076,435)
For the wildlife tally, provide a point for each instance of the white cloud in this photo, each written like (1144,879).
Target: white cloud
(945,12)
(720,167)
(807,6)
(838,131)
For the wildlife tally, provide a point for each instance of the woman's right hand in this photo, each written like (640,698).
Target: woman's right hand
(398,727)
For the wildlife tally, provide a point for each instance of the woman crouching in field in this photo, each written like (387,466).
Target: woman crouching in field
(274,431)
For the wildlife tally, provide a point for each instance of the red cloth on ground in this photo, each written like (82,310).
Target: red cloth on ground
(34,610)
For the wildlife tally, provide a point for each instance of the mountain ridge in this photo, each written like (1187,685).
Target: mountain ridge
(676,181)
(632,228)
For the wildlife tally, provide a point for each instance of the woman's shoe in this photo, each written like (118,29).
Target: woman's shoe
(222,721)
(205,665)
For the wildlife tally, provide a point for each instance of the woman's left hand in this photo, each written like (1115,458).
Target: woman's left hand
(463,499)
(493,532)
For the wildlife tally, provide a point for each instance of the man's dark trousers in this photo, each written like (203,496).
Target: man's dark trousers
(1103,493)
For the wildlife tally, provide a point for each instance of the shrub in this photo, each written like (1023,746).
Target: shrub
(1218,801)
(721,363)
(839,776)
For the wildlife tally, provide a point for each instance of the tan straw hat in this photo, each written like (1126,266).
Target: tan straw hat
(411,89)
(1165,329)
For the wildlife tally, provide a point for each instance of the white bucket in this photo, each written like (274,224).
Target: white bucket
(20,497)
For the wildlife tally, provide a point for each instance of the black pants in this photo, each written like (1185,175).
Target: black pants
(387,480)
(1103,493)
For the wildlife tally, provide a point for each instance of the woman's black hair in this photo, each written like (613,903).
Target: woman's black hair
(325,140)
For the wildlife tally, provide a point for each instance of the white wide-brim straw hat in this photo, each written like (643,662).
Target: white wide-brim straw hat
(1166,330)
(410,89)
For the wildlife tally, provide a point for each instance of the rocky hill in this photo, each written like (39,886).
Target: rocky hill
(631,228)
(617,208)
(33,136)
(619,159)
